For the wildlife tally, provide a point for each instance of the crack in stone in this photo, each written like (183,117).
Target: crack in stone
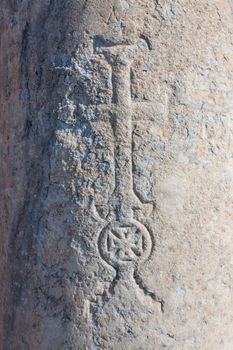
(147,292)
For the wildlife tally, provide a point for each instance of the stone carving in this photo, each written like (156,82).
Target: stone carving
(121,243)
(123,240)
(77,79)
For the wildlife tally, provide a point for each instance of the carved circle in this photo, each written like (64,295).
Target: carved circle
(123,243)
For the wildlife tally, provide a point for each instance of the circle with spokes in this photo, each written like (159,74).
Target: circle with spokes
(122,243)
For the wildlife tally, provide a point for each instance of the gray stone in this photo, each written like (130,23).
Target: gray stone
(116,174)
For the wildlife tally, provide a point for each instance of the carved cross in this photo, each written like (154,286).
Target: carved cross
(123,240)
(120,57)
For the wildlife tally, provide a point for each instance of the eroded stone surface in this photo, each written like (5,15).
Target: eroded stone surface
(118,200)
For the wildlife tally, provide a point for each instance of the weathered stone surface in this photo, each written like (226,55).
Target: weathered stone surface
(116,175)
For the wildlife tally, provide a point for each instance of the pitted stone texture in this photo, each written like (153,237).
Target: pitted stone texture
(115,112)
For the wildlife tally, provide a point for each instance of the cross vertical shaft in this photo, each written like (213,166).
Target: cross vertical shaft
(122,134)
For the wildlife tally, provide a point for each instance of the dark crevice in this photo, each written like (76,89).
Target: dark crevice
(114,283)
(147,292)
(147,40)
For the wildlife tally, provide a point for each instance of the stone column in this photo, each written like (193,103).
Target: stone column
(116,175)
